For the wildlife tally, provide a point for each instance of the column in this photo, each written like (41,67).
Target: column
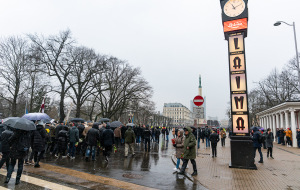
(277,120)
(281,120)
(267,123)
(286,113)
(274,127)
(293,127)
(260,121)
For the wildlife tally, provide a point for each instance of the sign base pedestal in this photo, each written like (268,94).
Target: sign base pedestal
(242,156)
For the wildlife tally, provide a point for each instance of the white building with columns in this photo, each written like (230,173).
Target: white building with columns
(285,115)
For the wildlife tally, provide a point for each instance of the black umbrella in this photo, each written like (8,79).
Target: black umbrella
(20,123)
(115,124)
(104,120)
(77,120)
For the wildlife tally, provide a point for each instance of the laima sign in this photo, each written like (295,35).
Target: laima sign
(233,25)
(198,100)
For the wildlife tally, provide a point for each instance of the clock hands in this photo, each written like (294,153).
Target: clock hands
(238,5)
(233,6)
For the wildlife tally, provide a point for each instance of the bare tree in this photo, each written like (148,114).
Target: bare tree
(13,61)
(54,55)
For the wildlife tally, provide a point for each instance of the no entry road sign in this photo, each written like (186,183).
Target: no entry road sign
(198,100)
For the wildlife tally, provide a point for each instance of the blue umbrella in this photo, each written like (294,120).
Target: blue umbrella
(36,116)
(20,123)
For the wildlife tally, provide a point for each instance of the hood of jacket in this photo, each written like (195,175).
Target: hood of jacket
(189,130)
(181,133)
(95,126)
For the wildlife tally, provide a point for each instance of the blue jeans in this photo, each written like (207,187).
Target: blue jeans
(259,151)
(207,141)
(138,139)
(178,162)
(278,140)
(167,137)
(198,143)
(72,149)
(88,151)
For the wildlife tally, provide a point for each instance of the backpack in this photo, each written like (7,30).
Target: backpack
(24,142)
(206,133)
(261,138)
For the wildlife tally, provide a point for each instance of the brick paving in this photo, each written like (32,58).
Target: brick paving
(281,173)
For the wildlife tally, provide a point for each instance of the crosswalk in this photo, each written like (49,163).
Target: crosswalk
(35,181)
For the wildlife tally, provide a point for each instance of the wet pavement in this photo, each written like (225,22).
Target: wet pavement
(153,169)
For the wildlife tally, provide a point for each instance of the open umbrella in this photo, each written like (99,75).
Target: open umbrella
(20,123)
(104,120)
(115,124)
(9,118)
(77,120)
(36,116)
(130,125)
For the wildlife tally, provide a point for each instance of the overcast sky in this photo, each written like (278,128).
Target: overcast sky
(172,41)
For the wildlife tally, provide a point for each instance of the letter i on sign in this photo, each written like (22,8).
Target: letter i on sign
(236,43)
(238,80)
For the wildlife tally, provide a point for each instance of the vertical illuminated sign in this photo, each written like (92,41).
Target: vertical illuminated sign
(238,84)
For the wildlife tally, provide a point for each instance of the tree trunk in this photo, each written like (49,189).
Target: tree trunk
(62,105)
(78,106)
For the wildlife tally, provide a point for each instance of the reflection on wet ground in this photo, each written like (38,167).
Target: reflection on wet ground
(153,169)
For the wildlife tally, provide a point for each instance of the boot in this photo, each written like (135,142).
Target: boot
(7,180)
(17,181)
(195,173)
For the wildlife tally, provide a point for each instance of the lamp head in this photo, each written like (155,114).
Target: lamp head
(277,23)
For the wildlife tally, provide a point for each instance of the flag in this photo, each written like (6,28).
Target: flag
(26,110)
(42,110)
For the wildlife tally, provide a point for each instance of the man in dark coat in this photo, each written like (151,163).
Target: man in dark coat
(92,139)
(81,128)
(214,139)
(157,134)
(4,137)
(147,136)
(63,139)
(58,128)
(138,134)
(108,140)
(123,130)
(20,143)
(256,138)
(269,143)
(189,151)
(73,139)
(38,143)
(298,137)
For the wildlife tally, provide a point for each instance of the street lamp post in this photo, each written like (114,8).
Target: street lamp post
(295,37)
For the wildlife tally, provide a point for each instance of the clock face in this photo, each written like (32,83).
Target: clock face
(234,8)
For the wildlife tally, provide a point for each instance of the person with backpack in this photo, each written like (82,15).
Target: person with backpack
(147,136)
(129,141)
(257,141)
(108,140)
(20,144)
(223,136)
(38,143)
(207,133)
(5,147)
(73,139)
(63,137)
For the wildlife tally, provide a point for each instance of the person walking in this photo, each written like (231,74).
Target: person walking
(189,151)
(288,134)
(223,136)
(167,134)
(129,141)
(298,137)
(157,134)
(38,143)
(214,139)
(269,143)
(207,133)
(63,137)
(123,130)
(147,136)
(5,147)
(20,144)
(92,139)
(118,135)
(179,145)
(257,140)
(73,139)
(108,140)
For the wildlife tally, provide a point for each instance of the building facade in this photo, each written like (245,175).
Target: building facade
(285,115)
(180,115)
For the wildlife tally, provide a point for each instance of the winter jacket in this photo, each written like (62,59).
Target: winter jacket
(74,134)
(214,138)
(86,129)
(207,132)
(80,130)
(93,136)
(288,133)
(63,137)
(58,128)
(223,134)
(117,132)
(269,139)
(129,136)
(38,139)
(179,142)
(256,136)
(19,144)
(123,131)
(189,141)
(147,133)
(138,131)
(108,137)
(4,137)
(194,132)
(298,135)
(157,132)
(167,132)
